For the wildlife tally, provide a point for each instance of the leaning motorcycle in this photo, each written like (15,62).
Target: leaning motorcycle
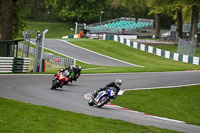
(76,74)
(103,97)
(59,80)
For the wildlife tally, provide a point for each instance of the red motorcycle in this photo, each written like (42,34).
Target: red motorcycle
(60,79)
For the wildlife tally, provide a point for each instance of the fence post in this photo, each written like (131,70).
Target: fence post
(42,50)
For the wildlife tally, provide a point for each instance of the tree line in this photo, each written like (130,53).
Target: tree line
(164,12)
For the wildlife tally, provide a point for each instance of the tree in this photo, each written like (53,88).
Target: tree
(179,23)
(81,11)
(195,14)
(12,23)
(6,19)
(175,6)
(138,8)
(156,9)
(18,20)
(194,5)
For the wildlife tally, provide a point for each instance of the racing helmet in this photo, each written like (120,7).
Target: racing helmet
(118,82)
(70,68)
(66,73)
(79,67)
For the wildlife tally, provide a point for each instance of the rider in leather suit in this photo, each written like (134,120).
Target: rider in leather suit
(115,84)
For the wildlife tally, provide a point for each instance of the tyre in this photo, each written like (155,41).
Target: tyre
(102,101)
(66,83)
(90,102)
(54,84)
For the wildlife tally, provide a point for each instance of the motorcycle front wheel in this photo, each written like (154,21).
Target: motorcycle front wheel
(90,102)
(102,101)
(54,84)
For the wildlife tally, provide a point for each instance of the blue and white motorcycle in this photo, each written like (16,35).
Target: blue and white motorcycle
(103,97)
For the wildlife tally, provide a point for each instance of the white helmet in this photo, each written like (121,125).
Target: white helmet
(118,82)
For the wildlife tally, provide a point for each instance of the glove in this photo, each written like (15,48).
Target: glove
(95,93)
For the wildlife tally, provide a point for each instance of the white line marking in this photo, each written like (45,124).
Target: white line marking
(63,54)
(167,119)
(100,54)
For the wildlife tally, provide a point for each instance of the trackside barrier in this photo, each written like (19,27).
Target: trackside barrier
(159,52)
(21,64)
(6,64)
(14,64)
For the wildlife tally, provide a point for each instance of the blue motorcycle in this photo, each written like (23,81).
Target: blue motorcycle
(103,97)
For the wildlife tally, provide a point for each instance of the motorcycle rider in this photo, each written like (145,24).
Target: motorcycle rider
(77,72)
(69,69)
(65,73)
(70,72)
(115,84)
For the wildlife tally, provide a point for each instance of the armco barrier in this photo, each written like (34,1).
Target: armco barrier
(157,51)
(6,64)
(14,64)
(21,64)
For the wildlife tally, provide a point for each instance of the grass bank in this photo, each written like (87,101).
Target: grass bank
(55,30)
(151,63)
(18,117)
(176,103)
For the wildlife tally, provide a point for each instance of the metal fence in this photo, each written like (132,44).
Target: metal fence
(54,59)
(187,47)
(25,48)
(62,61)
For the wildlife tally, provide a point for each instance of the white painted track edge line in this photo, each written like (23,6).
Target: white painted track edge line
(63,54)
(100,54)
(141,113)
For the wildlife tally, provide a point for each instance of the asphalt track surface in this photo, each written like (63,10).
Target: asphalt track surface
(36,89)
(82,54)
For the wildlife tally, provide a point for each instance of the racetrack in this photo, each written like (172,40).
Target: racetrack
(36,89)
(82,54)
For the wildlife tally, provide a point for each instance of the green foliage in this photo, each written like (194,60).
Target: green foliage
(81,11)
(157,6)
(18,21)
(50,3)
(138,8)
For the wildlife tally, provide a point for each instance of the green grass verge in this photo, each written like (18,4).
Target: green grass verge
(55,30)
(18,117)
(151,63)
(176,103)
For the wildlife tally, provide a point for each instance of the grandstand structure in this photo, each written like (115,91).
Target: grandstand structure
(122,25)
